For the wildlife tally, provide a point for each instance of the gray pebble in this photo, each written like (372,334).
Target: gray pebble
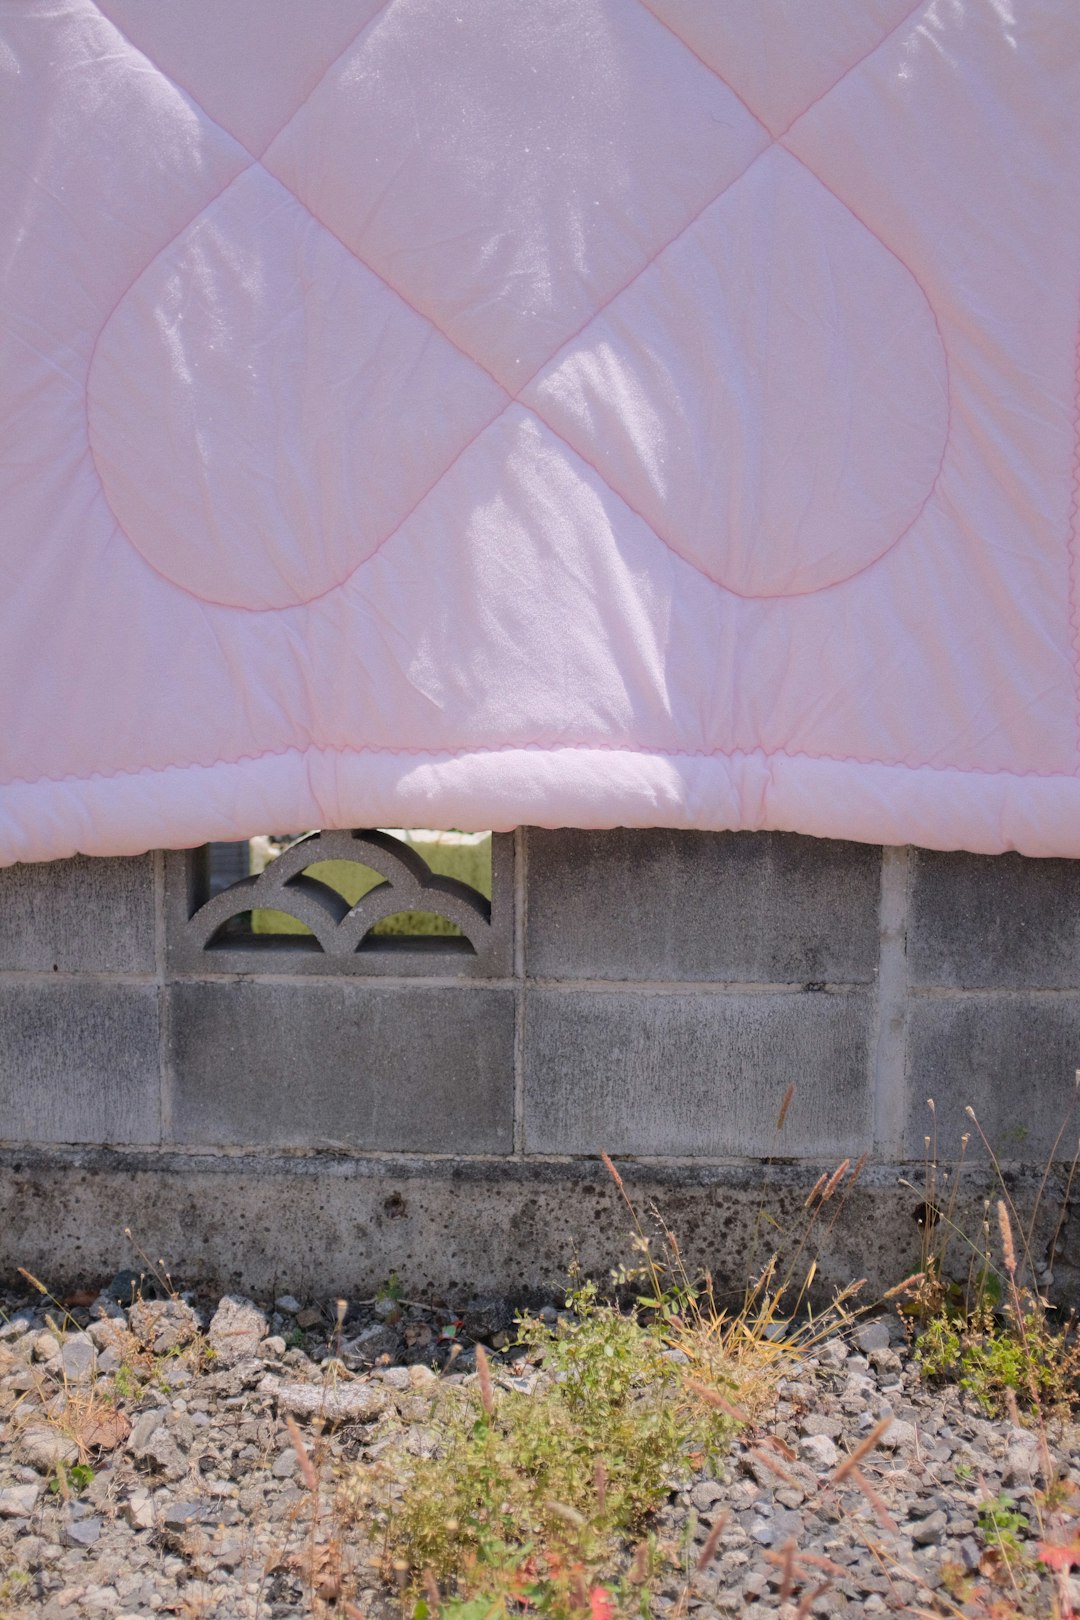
(929,1531)
(872,1336)
(80,1532)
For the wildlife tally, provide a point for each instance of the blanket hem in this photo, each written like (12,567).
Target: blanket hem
(181,806)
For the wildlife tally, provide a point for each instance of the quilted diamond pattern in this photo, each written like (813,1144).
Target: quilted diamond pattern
(247,62)
(591,412)
(778,328)
(509,168)
(192,378)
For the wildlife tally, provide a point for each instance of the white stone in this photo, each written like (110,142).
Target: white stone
(357,1402)
(138,1510)
(819,1451)
(237,1329)
(78,1359)
(899,1436)
(18,1501)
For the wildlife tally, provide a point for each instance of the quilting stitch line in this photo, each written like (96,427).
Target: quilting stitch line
(246,168)
(454,754)
(778,140)
(256,162)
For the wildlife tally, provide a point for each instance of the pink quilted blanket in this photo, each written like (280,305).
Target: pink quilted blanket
(592,412)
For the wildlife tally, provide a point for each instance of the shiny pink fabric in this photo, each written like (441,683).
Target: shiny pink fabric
(589,412)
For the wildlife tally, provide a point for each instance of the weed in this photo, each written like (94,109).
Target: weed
(1002,1525)
(531,1495)
(126,1382)
(14,1587)
(743,1347)
(388,1299)
(71,1480)
(991,1356)
(989,1330)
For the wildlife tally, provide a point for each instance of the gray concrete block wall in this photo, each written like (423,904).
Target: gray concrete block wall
(661,905)
(79,916)
(698,1076)
(344,1066)
(79,1062)
(663,991)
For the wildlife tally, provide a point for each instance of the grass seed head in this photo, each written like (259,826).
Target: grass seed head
(611,1170)
(907,1285)
(787,1568)
(1005,1228)
(815,1189)
(712,1540)
(483,1378)
(835,1179)
(307,1467)
(638,1572)
(863,1449)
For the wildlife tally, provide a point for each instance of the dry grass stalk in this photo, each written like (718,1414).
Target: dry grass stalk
(1050,1160)
(712,1540)
(787,1568)
(784,1106)
(712,1397)
(600,1477)
(431,1592)
(568,1515)
(863,1449)
(638,1572)
(483,1378)
(808,1599)
(773,1466)
(880,1511)
(307,1467)
(782,1447)
(812,1560)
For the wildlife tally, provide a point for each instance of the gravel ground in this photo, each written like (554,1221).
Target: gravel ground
(196,1505)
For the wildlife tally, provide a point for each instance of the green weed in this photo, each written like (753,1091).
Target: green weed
(532,1495)
(993,1356)
(71,1479)
(1002,1525)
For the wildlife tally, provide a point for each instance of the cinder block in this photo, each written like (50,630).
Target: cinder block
(994,922)
(79,1062)
(349,1064)
(89,914)
(697,1076)
(1011,1058)
(658,904)
(188,900)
